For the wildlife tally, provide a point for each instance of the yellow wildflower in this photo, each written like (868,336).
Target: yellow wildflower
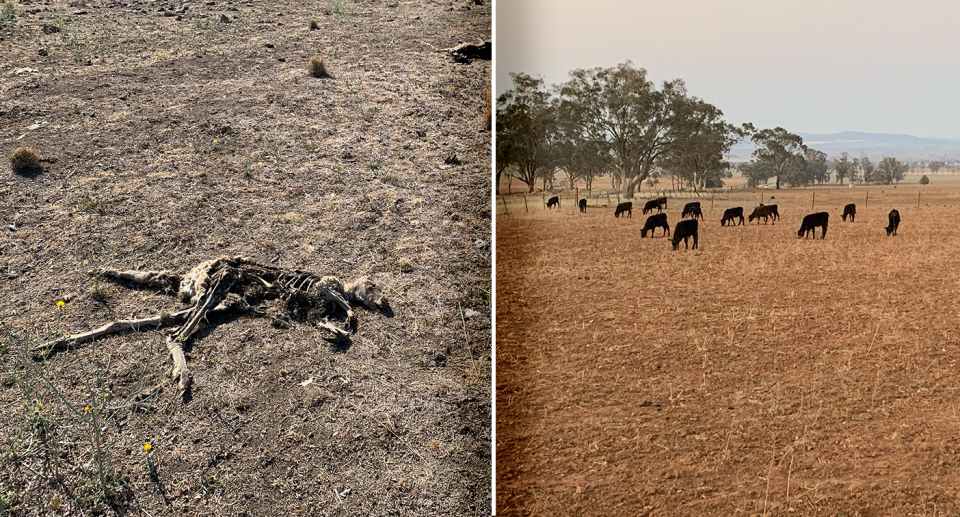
(147,447)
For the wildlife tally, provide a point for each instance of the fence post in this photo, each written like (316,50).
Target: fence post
(608,199)
(918,199)
(711,200)
(525,207)
(505,210)
(543,197)
(814,201)
(866,202)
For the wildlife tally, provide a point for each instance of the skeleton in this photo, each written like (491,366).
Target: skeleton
(234,284)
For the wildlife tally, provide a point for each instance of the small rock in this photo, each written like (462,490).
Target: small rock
(268,45)
(50,28)
(470,313)
(282,60)
(11,275)
(12,227)
(80,11)
(145,56)
(279,14)
(482,244)
(394,4)
(421,134)
(43,52)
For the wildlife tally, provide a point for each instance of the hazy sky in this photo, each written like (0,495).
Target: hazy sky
(815,66)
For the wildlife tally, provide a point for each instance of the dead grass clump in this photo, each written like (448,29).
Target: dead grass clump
(24,159)
(314,25)
(317,67)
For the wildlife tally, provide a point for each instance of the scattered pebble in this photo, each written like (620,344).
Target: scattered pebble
(268,45)
(43,52)
(12,228)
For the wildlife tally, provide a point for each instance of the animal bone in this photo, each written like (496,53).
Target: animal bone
(231,284)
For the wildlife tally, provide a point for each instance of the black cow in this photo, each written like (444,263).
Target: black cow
(774,212)
(583,205)
(894,222)
(764,212)
(654,222)
(730,214)
(555,200)
(660,203)
(810,222)
(692,209)
(684,229)
(850,210)
(624,207)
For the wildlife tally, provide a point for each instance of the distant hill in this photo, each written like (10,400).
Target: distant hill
(872,145)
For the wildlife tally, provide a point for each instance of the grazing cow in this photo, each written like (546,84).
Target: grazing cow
(894,222)
(850,210)
(730,214)
(624,207)
(764,212)
(683,230)
(583,205)
(555,200)
(654,222)
(660,203)
(774,212)
(692,209)
(810,222)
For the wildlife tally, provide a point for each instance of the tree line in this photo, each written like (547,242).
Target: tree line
(615,122)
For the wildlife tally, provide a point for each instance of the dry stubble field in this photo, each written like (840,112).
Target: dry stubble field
(760,375)
(177,132)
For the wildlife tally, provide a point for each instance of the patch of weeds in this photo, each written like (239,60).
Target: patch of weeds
(8,15)
(9,500)
(391,180)
(88,203)
(208,483)
(110,486)
(375,165)
(337,8)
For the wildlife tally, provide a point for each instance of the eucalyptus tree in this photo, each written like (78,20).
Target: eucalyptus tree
(524,123)
(890,170)
(639,123)
(781,150)
(842,167)
(866,170)
(699,156)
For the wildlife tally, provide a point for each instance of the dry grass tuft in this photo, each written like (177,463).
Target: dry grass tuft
(24,159)
(317,68)
(314,25)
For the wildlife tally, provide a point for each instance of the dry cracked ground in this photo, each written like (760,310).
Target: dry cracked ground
(174,133)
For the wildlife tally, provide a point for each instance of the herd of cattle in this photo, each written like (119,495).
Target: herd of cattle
(687,228)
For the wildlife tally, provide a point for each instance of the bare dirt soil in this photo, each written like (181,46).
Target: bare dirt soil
(758,375)
(174,133)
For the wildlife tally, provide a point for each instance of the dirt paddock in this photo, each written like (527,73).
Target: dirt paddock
(758,375)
